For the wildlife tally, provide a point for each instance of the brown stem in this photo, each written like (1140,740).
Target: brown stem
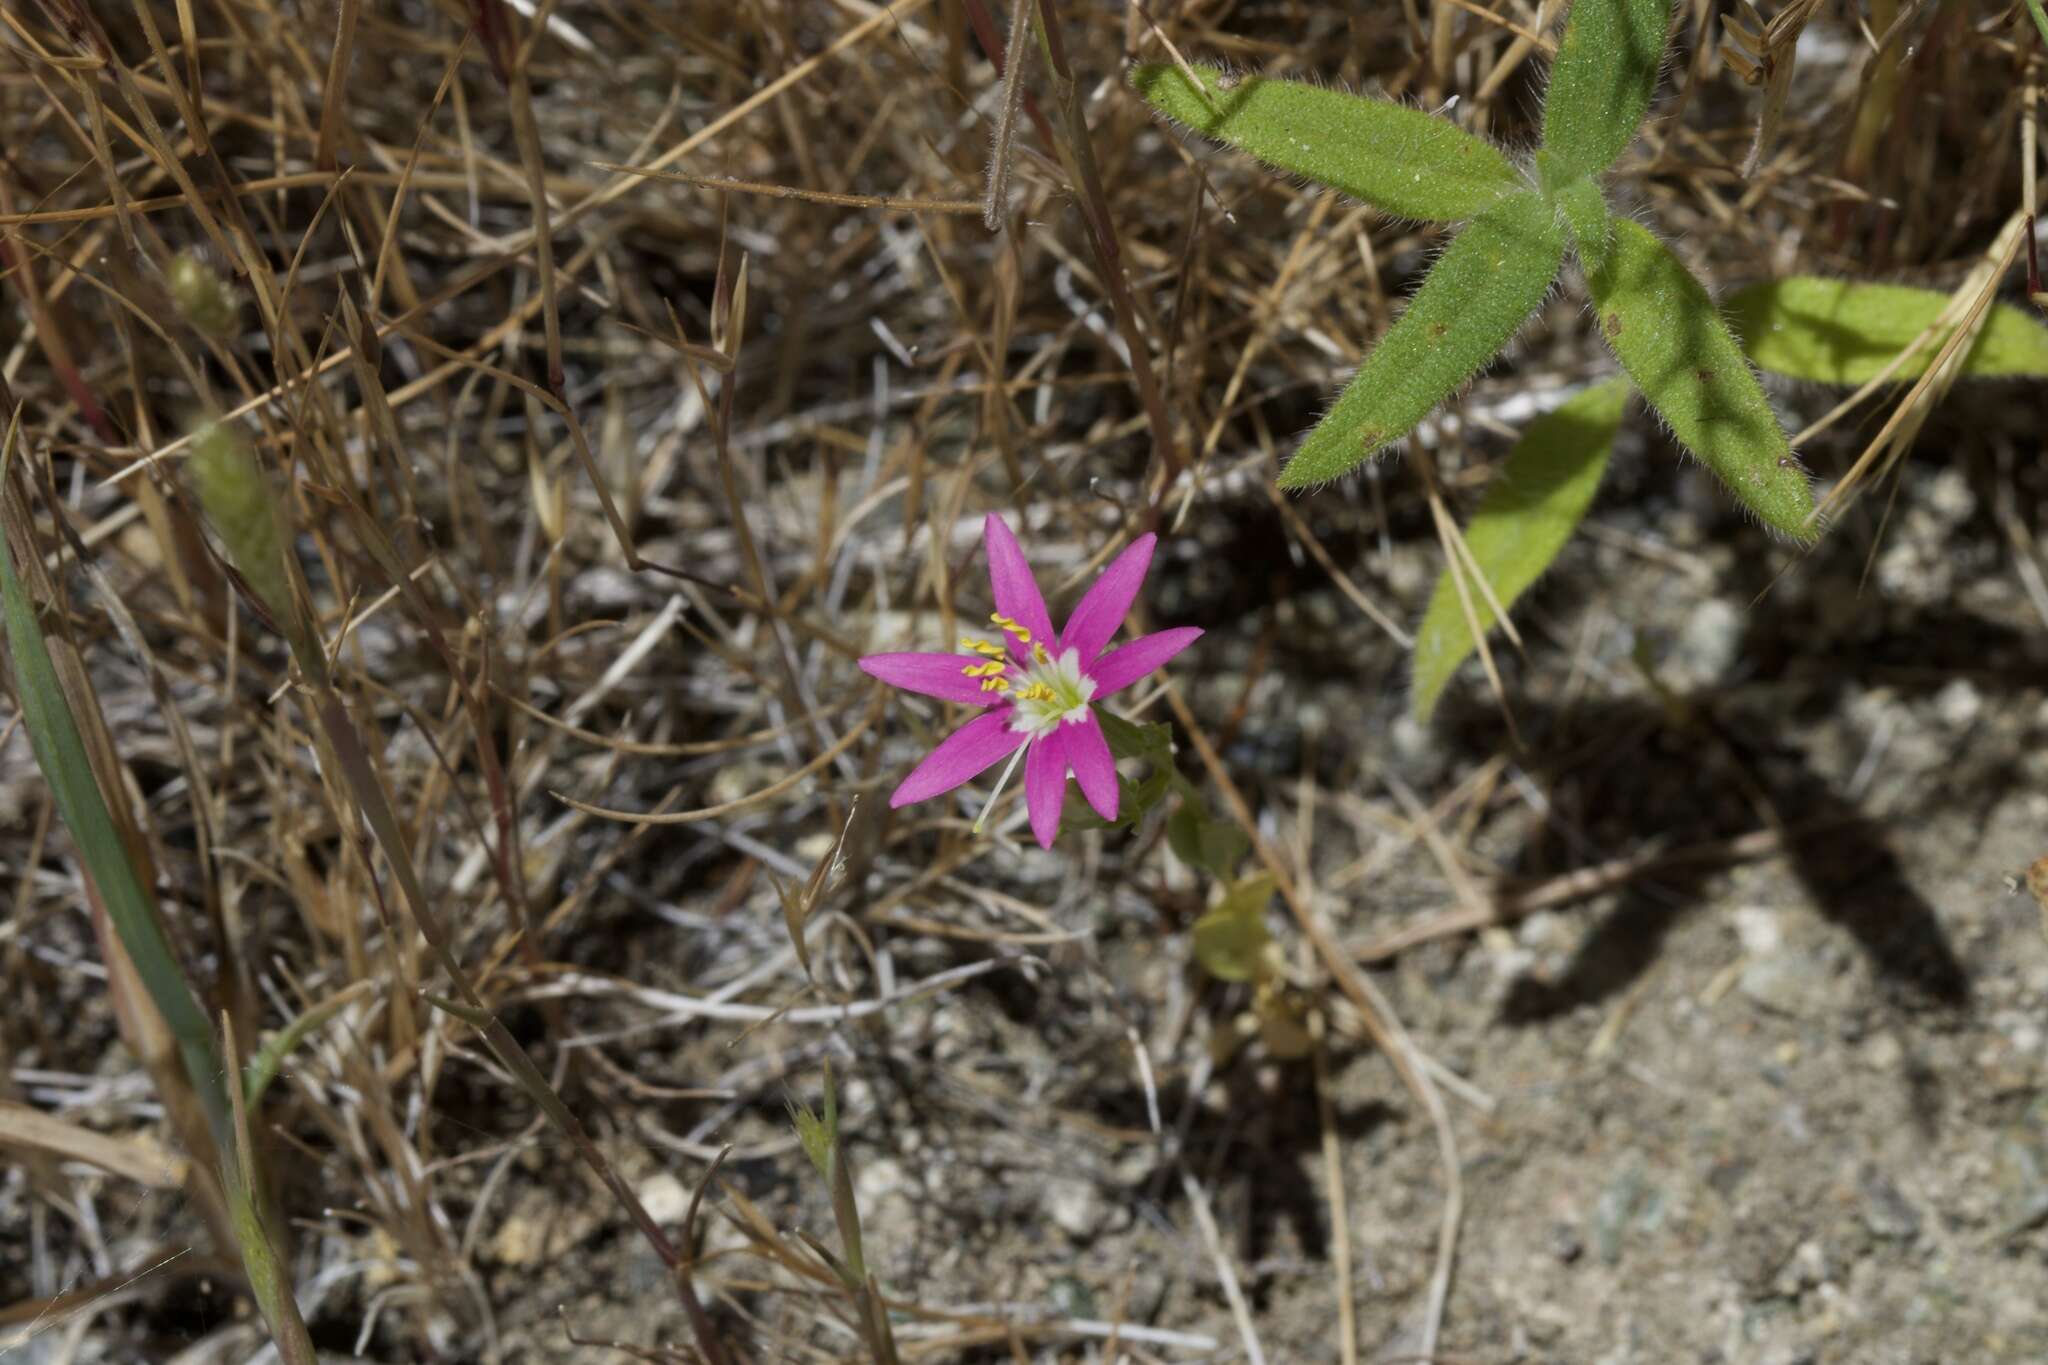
(1079,153)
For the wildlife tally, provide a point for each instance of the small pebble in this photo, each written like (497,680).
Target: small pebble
(1882,1052)
(1784,983)
(1958,703)
(1885,1211)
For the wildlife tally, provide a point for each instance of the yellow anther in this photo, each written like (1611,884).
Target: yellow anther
(1009,627)
(1038,692)
(990,669)
(1038,654)
(995,684)
(987,648)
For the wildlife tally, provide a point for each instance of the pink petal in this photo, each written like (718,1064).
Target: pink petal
(1108,600)
(1045,784)
(1094,768)
(1017,595)
(961,757)
(1124,665)
(934,675)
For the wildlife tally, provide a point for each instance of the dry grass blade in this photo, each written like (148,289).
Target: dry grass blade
(132,1158)
(1765,54)
(1972,304)
(729,185)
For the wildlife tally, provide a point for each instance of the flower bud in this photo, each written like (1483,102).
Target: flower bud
(203,298)
(238,502)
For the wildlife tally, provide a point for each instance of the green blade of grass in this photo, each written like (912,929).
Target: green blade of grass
(1397,159)
(1661,324)
(1839,332)
(1529,512)
(262,1069)
(1477,296)
(261,1261)
(1601,83)
(60,754)
(2040,16)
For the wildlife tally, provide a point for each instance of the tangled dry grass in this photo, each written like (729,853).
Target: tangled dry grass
(625,370)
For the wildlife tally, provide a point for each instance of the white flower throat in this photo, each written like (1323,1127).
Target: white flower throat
(1043,692)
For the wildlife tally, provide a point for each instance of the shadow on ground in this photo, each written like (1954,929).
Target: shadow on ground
(1623,775)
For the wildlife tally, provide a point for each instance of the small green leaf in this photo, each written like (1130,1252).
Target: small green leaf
(1151,742)
(1135,799)
(1479,293)
(1837,332)
(1529,512)
(1215,846)
(1584,211)
(1601,83)
(818,1135)
(260,1070)
(1397,159)
(1662,326)
(1231,938)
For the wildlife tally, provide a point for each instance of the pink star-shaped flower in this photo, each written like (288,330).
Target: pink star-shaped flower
(1039,688)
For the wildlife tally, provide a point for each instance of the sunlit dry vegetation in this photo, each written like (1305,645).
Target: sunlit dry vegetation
(456,455)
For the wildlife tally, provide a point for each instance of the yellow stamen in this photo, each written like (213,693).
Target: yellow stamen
(1009,627)
(1038,692)
(995,684)
(993,668)
(986,648)
(1038,654)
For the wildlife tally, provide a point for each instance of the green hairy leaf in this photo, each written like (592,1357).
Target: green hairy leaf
(1601,83)
(1529,512)
(1584,210)
(1397,159)
(1479,293)
(1662,326)
(1836,332)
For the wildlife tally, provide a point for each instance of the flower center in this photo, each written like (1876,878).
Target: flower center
(1043,692)
(1050,691)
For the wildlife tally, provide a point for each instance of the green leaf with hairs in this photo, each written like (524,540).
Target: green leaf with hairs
(1584,211)
(1479,293)
(1837,332)
(1530,510)
(1662,326)
(1601,83)
(1397,159)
